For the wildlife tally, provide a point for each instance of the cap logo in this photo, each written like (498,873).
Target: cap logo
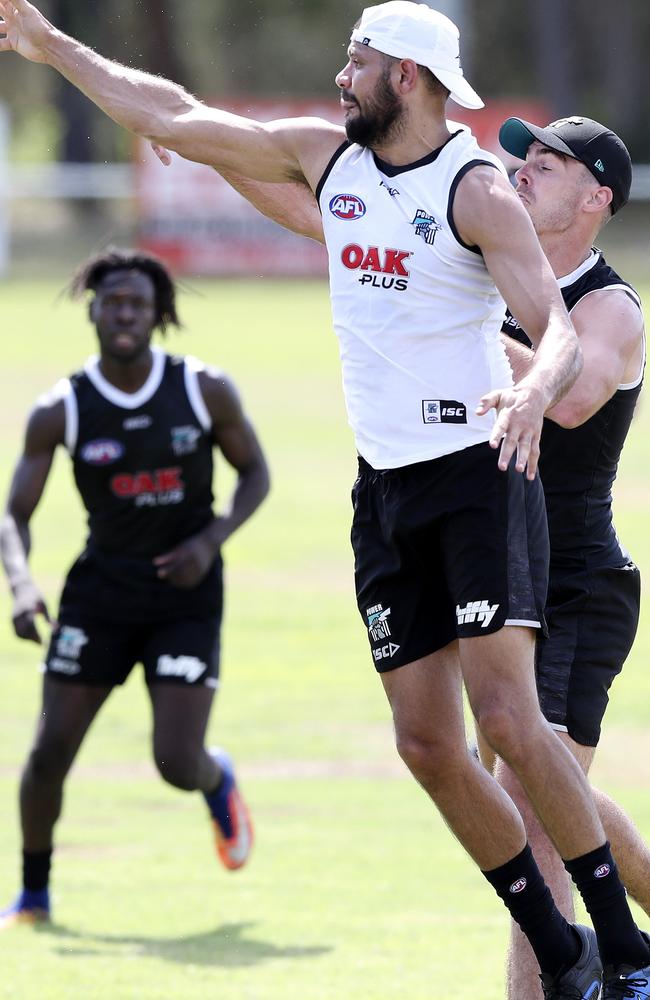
(599,165)
(365,41)
(567,121)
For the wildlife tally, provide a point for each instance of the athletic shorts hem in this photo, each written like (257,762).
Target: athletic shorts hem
(386,666)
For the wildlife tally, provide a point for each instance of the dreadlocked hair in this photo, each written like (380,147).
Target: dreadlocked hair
(90,274)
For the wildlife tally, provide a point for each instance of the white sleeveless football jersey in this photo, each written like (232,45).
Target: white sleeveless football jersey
(416,312)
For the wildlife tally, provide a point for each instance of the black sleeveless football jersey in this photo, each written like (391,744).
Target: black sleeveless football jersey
(143,465)
(578,465)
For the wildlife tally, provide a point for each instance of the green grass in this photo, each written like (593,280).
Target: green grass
(356,890)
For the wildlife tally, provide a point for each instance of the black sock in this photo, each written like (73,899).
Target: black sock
(597,880)
(36,869)
(520,885)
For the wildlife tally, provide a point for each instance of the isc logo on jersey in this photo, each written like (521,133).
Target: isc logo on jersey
(382,268)
(347,207)
(103,451)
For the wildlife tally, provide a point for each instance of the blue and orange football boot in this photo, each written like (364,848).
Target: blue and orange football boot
(232,824)
(29,907)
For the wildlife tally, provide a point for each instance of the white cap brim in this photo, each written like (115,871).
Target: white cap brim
(458,87)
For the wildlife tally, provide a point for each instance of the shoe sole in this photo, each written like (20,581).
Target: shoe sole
(235,851)
(27,917)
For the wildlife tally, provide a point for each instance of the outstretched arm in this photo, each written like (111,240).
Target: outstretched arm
(489,215)
(159,110)
(187,564)
(45,429)
(292,205)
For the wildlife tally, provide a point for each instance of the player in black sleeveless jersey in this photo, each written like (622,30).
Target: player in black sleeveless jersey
(141,427)
(594,587)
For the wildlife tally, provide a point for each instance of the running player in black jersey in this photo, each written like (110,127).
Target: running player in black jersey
(576,176)
(141,427)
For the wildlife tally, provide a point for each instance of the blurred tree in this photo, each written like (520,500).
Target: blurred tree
(578,55)
(581,56)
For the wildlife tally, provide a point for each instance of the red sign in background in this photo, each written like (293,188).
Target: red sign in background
(198,224)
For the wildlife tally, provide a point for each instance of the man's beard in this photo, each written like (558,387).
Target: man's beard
(382,118)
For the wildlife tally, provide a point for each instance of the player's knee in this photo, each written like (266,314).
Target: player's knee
(427,758)
(50,759)
(178,769)
(504,729)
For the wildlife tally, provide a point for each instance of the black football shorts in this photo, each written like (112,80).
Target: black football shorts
(88,650)
(445,549)
(592,620)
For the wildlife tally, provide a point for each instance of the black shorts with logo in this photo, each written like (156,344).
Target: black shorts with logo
(592,620)
(104,629)
(445,549)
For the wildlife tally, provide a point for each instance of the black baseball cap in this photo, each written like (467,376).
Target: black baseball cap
(600,149)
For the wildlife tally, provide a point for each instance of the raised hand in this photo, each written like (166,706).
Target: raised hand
(24,30)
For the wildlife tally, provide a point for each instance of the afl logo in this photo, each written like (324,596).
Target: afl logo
(602,871)
(102,452)
(347,207)
(518,886)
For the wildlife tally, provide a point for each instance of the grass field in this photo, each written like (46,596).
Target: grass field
(356,891)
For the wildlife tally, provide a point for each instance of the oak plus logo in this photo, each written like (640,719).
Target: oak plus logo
(347,207)
(157,488)
(381,268)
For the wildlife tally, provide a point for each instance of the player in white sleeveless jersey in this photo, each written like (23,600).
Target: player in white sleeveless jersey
(592,607)
(449,539)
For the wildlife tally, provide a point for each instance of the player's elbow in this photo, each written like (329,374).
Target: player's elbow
(263,485)
(169,122)
(569,413)
(259,477)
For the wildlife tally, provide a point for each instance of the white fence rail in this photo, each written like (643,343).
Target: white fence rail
(27,186)
(117,180)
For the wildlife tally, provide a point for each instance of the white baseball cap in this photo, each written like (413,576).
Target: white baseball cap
(415,31)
